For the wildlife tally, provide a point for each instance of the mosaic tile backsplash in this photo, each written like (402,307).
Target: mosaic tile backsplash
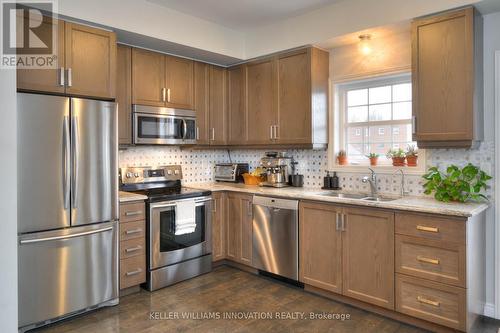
(197,165)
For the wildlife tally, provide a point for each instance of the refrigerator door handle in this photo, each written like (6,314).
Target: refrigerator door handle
(66,161)
(74,161)
(80,234)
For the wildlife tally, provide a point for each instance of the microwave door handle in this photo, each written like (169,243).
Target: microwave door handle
(184,129)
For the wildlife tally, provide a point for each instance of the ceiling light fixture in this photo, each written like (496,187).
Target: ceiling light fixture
(364,44)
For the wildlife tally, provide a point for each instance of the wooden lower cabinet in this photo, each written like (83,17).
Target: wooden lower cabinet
(239,228)
(218,226)
(132,244)
(320,246)
(349,251)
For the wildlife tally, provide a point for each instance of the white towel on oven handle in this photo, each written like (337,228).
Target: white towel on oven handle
(185,217)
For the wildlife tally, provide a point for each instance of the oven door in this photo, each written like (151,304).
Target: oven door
(163,129)
(166,248)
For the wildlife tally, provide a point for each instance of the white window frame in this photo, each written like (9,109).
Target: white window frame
(337,131)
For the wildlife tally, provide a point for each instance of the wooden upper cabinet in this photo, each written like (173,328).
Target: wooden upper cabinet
(201,102)
(179,77)
(368,256)
(148,78)
(124,93)
(260,100)
(90,56)
(237,128)
(320,246)
(217,105)
(218,227)
(46,80)
(447,79)
(294,98)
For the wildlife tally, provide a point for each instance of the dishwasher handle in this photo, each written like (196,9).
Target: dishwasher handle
(276,203)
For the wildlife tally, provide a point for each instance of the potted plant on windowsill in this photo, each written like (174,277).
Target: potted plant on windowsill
(411,155)
(373,158)
(398,156)
(342,157)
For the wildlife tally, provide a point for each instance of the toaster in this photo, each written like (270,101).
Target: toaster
(230,172)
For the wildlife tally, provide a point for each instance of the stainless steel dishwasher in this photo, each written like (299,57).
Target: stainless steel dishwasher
(275,236)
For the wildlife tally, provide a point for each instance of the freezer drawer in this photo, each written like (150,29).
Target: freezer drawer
(275,236)
(66,271)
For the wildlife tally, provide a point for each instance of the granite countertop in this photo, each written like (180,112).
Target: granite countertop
(408,203)
(129,197)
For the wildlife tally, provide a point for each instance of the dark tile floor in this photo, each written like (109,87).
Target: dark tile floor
(231,292)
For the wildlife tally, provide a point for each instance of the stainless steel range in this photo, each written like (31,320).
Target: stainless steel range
(178,224)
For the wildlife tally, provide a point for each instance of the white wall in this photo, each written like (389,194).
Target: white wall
(8,202)
(338,19)
(146,18)
(491,44)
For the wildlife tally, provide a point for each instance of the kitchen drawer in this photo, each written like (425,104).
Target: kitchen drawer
(132,230)
(434,260)
(431,301)
(132,271)
(132,212)
(132,247)
(431,227)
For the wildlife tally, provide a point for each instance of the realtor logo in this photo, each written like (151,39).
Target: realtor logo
(28,34)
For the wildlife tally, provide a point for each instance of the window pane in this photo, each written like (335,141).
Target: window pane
(380,95)
(356,134)
(357,97)
(357,114)
(380,134)
(379,148)
(402,110)
(401,92)
(355,150)
(380,112)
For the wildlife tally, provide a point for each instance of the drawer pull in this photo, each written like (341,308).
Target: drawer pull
(428,229)
(137,271)
(133,231)
(132,249)
(428,260)
(137,212)
(427,301)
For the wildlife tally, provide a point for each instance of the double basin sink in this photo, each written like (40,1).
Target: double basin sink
(363,197)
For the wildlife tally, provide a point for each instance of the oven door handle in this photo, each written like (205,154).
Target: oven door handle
(184,129)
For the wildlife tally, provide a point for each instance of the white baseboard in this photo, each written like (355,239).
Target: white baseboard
(489,310)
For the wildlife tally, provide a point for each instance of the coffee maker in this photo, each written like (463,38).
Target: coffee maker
(278,167)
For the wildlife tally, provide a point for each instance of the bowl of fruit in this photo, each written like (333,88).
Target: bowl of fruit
(255,177)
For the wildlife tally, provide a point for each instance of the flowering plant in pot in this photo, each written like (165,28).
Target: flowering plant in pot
(373,158)
(411,155)
(342,157)
(457,184)
(398,156)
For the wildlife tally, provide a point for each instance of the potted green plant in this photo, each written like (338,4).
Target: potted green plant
(411,155)
(342,157)
(397,155)
(373,158)
(457,184)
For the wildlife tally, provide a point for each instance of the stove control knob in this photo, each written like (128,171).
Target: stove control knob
(176,172)
(169,172)
(129,175)
(136,175)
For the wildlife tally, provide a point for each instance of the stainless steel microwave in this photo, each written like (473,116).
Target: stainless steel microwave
(163,126)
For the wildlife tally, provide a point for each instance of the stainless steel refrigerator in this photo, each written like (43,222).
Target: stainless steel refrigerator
(67,207)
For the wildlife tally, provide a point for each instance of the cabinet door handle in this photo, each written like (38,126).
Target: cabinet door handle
(213,134)
(168,95)
(250,206)
(271,132)
(163,94)
(428,260)
(343,218)
(133,249)
(197,133)
(61,76)
(70,78)
(337,220)
(414,124)
(276,136)
(133,213)
(215,206)
(428,229)
(427,301)
(133,231)
(137,271)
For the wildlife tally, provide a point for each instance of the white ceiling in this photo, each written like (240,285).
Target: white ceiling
(244,14)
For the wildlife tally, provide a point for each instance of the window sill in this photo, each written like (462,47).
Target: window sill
(380,169)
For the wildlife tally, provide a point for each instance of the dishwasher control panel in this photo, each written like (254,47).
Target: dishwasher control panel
(276,202)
